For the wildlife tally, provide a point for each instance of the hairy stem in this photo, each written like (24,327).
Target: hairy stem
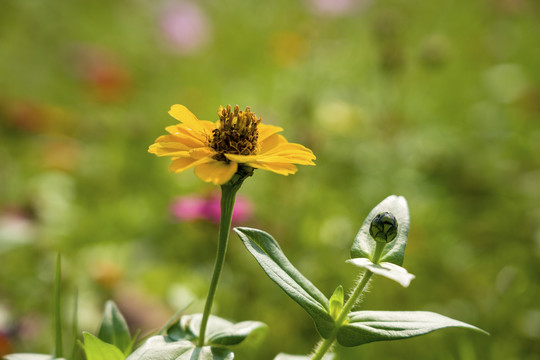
(327,344)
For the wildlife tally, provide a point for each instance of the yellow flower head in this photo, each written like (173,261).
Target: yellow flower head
(218,150)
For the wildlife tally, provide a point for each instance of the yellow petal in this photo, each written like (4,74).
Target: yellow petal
(290,148)
(199,153)
(172,129)
(188,142)
(242,158)
(169,145)
(271,142)
(179,165)
(277,146)
(291,159)
(186,117)
(301,158)
(266,131)
(278,168)
(208,126)
(248,159)
(167,138)
(294,153)
(183,134)
(216,172)
(161,150)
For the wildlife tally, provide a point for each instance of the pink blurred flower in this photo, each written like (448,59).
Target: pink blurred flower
(337,7)
(189,208)
(195,207)
(185,27)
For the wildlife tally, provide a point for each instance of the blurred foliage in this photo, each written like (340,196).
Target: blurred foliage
(435,101)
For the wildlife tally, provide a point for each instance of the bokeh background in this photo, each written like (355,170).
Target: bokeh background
(438,101)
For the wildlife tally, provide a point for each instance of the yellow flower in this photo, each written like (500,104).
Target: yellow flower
(218,150)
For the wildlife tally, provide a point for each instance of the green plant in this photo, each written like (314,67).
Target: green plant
(378,249)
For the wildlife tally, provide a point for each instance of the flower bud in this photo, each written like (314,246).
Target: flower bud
(384,227)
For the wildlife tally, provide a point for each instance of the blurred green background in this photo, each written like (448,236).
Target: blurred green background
(438,101)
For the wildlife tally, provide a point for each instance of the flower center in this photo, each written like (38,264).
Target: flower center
(236,133)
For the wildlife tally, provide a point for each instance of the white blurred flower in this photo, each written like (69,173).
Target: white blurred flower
(16,228)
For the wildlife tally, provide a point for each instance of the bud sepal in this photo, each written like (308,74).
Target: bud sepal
(365,246)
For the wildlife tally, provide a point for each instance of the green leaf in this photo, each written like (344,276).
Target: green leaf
(336,302)
(96,349)
(394,252)
(114,329)
(218,332)
(160,348)
(189,327)
(237,333)
(178,332)
(276,265)
(368,326)
(27,356)
(282,356)
(386,269)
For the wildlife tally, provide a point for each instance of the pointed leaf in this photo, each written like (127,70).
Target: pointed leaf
(96,349)
(364,245)
(159,348)
(114,329)
(386,269)
(336,302)
(189,327)
(207,353)
(28,356)
(237,333)
(282,356)
(276,265)
(218,332)
(178,332)
(368,326)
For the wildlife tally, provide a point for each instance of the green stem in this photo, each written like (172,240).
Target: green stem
(59,345)
(327,343)
(75,326)
(324,347)
(228,195)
